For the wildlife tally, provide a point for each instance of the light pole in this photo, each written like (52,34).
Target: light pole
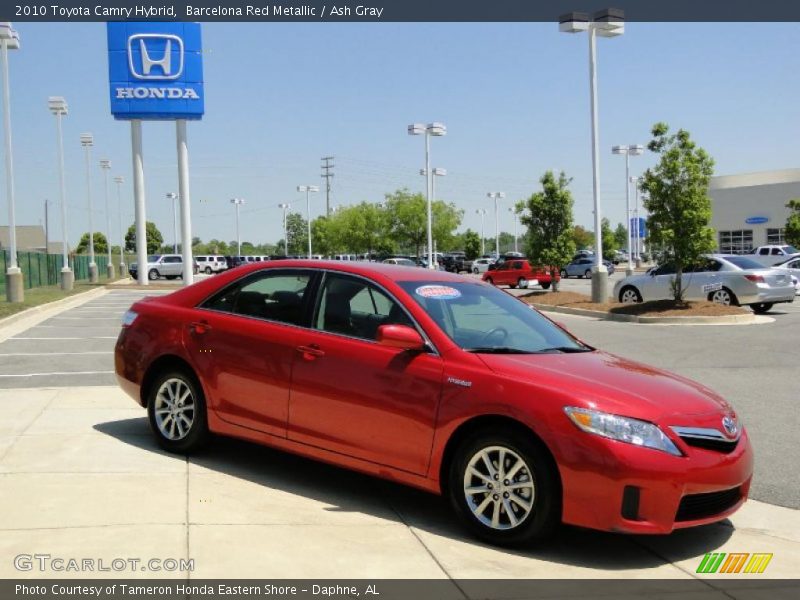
(513,212)
(628,151)
(637,229)
(437,130)
(285,208)
(119,180)
(105,165)
(497,196)
(87,141)
(15,289)
(58,106)
(437,172)
(308,189)
(174,197)
(237,202)
(482,213)
(605,23)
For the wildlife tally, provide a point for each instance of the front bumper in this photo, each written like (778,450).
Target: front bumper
(614,486)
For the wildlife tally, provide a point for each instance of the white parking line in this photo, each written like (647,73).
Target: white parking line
(98,337)
(61,373)
(52,353)
(85,318)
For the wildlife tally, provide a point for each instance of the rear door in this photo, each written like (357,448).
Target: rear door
(244,343)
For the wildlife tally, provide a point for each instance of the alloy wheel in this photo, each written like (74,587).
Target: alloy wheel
(722,296)
(174,409)
(499,488)
(629,296)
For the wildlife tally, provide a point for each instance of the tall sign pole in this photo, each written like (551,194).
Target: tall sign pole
(156,74)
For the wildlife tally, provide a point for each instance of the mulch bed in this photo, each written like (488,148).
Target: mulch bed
(661,308)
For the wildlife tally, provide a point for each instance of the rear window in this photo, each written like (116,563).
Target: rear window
(743,262)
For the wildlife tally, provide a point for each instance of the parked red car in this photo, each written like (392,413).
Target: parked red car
(440,382)
(518,273)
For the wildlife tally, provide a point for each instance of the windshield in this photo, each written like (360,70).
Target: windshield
(743,262)
(483,319)
(791,250)
(153,258)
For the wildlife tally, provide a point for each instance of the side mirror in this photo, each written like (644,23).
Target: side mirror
(400,336)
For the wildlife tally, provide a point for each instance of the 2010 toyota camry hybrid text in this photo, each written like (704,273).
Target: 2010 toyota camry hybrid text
(437,381)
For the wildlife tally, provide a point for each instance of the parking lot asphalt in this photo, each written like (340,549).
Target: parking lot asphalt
(80,474)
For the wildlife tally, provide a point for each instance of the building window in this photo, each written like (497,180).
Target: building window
(775,236)
(736,242)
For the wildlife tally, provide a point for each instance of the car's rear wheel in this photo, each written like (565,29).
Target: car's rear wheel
(522,283)
(724,297)
(545,286)
(504,488)
(587,273)
(176,409)
(475,270)
(152,275)
(629,295)
(208,270)
(762,307)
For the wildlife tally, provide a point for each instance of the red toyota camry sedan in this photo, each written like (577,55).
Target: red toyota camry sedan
(440,382)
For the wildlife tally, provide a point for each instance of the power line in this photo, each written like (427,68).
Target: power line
(327,176)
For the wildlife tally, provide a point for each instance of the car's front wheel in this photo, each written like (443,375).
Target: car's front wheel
(475,270)
(152,275)
(564,274)
(587,273)
(630,295)
(504,488)
(176,409)
(489,281)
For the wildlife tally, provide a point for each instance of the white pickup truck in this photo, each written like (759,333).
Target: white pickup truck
(773,254)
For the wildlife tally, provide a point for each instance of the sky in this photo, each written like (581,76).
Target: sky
(514,98)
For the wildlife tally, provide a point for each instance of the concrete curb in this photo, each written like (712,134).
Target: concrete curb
(744,319)
(36,314)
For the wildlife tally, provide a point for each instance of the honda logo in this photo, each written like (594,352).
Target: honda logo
(150,56)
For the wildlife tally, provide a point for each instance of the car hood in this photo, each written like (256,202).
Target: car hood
(611,383)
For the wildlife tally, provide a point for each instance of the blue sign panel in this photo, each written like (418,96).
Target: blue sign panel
(756,220)
(642,227)
(155,70)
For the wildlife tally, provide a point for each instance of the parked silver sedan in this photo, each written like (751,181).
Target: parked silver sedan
(793,266)
(725,279)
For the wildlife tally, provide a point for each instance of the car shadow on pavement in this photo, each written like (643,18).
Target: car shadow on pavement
(342,490)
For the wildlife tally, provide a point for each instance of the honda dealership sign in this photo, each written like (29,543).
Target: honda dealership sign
(155,70)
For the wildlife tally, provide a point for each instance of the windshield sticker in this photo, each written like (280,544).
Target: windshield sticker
(438,292)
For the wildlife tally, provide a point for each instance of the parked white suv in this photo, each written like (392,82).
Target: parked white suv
(161,265)
(772,254)
(211,264)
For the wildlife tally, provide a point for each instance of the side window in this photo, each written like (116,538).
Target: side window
(763,251)
(172,259)
(777,252)
(517,264)
(355,308)
(271,296)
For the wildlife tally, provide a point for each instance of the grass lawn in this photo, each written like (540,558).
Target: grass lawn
(42,295)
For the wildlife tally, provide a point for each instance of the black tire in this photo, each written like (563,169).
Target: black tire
(623,295)
(208,270)
(588,274)
(152,275)
(762,307)
(475,270)
(522,283)
(544,515)
(564,274)
(545,286)
(197,434)
(489,281)
(720,296)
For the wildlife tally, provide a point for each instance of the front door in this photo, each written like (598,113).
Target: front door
(354,396)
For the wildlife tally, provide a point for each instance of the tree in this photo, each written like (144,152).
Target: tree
(582,237)
(407,220)
(100,244)
(152,234)
(678,201)
(621,236)
(792,232)
(472,244)
(609,239)
(549,239)
(297,232)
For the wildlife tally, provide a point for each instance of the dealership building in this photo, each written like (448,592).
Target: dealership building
(749,210)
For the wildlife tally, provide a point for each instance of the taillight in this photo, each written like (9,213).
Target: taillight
(755,278)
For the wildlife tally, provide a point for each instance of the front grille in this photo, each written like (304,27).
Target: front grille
(724,446)
(701,506)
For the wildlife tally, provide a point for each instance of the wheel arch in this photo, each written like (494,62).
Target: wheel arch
(159,365)
(489,422)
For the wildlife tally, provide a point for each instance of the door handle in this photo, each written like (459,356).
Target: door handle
(199,327)
(311,352)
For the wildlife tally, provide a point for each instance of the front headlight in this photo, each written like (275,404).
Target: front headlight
(622,429)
